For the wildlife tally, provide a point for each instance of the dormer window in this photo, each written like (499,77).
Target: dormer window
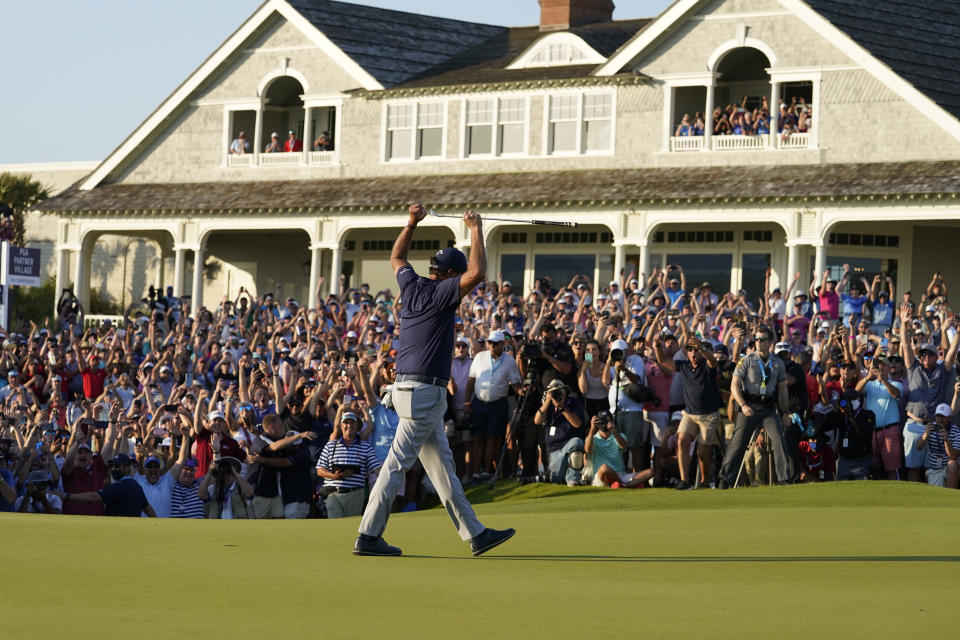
(555,50)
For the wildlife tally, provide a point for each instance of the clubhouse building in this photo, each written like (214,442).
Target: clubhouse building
(581,118)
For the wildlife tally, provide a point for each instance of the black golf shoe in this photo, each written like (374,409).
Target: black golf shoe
(374,546)
(488,539)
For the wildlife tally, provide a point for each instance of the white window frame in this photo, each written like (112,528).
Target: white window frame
(497,122)
(415,129)
(566,41)
(580,147)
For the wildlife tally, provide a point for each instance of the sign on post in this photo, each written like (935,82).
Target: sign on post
(23,266)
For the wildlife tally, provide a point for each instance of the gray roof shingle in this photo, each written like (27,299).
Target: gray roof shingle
(392,46)
(917,39)
(901,179)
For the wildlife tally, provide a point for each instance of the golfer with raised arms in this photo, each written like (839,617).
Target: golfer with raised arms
(420,392)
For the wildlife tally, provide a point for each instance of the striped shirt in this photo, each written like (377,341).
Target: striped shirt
(184,501)
(359,454)
(937,457)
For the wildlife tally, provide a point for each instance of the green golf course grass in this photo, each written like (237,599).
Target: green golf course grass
(849,560)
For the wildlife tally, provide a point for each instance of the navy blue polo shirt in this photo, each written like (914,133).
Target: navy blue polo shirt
(123,498)
(426,331)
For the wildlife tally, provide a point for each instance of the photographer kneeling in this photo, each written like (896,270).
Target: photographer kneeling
(606,446)
(562,415)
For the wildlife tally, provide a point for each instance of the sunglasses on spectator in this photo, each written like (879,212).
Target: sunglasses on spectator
(761,338)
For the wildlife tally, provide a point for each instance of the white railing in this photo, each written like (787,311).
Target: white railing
(94,322)
(281,159)
(795,141)
(240,160)
(322,157)
(686,143)
(739,143)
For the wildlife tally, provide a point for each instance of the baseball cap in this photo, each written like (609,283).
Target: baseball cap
(38,476)
(943,409)
(167,442)
(781,346)
(349,415)
(165,368)
(274,135)
(190,463)
(506,283)
(152,459)
(557,383)
(450,258)
(351,334)
(495,336)
(84,445)
(121,460)
(620,344)
(614,283)
(927,347)
(463,340)
(213,415)
(721,348)
(676,416)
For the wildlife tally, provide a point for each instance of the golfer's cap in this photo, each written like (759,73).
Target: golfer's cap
(927,347)
(152,459)
(495,336)
(676,416)
(620,344)
(351,334)
(943,409)
(293,432)
(214,415)
(451,258)
(781,346)
(349,415)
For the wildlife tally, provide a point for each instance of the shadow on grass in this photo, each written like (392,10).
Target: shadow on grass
(607,558)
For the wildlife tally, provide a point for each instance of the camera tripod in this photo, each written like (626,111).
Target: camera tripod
(767,450)
(529,387)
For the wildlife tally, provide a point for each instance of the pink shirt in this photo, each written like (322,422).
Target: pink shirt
(659,381)
(830,304)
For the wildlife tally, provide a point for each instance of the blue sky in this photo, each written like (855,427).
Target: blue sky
(79,76)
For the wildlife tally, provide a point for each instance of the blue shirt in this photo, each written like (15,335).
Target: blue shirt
(884,406)
(8,478)
(559,429)
(426,330)
(123,498)
(883,314)
(851,305)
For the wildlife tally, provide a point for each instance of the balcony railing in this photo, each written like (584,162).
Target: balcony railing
(686,143)
(795,141)
(284,159)
(739,143)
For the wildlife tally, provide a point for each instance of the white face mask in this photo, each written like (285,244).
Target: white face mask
(855,404)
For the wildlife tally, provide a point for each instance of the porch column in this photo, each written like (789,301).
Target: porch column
(179,255)
(792,259)
(336,266)
(667,116)
(196,300)
(821,262)
(315,253)
(644,266)
(257,136)
(62,275)
(81,276)
(708,118)
(774,113)
(618,260)
(307,135)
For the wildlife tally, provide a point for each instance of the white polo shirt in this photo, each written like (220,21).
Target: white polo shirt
(493,377)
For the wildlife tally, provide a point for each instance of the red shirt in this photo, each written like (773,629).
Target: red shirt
(813,461)
(204,452)
(813,390)
(292,145)
(80,480)
(93,382)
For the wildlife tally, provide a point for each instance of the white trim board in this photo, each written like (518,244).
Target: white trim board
(209,66)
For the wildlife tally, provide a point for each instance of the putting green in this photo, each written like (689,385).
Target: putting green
(845,560)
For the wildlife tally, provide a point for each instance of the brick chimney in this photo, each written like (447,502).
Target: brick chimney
(559,15)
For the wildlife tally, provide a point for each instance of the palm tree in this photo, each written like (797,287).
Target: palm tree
(19,192)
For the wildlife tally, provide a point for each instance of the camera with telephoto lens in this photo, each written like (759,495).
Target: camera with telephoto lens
(616,355)
(557,394)
(604,418)
(223,469)
(531,349)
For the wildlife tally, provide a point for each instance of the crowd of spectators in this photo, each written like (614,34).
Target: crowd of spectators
(241,145)
(263,408)
(793,116)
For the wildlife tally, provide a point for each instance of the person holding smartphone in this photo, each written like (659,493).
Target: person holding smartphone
(941,439)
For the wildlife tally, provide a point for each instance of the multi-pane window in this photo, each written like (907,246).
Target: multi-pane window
(580,123)
(556,54)
(414,131)
(480,126)
(564,122)
(495,126)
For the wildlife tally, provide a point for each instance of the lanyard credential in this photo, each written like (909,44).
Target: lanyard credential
(764,375)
